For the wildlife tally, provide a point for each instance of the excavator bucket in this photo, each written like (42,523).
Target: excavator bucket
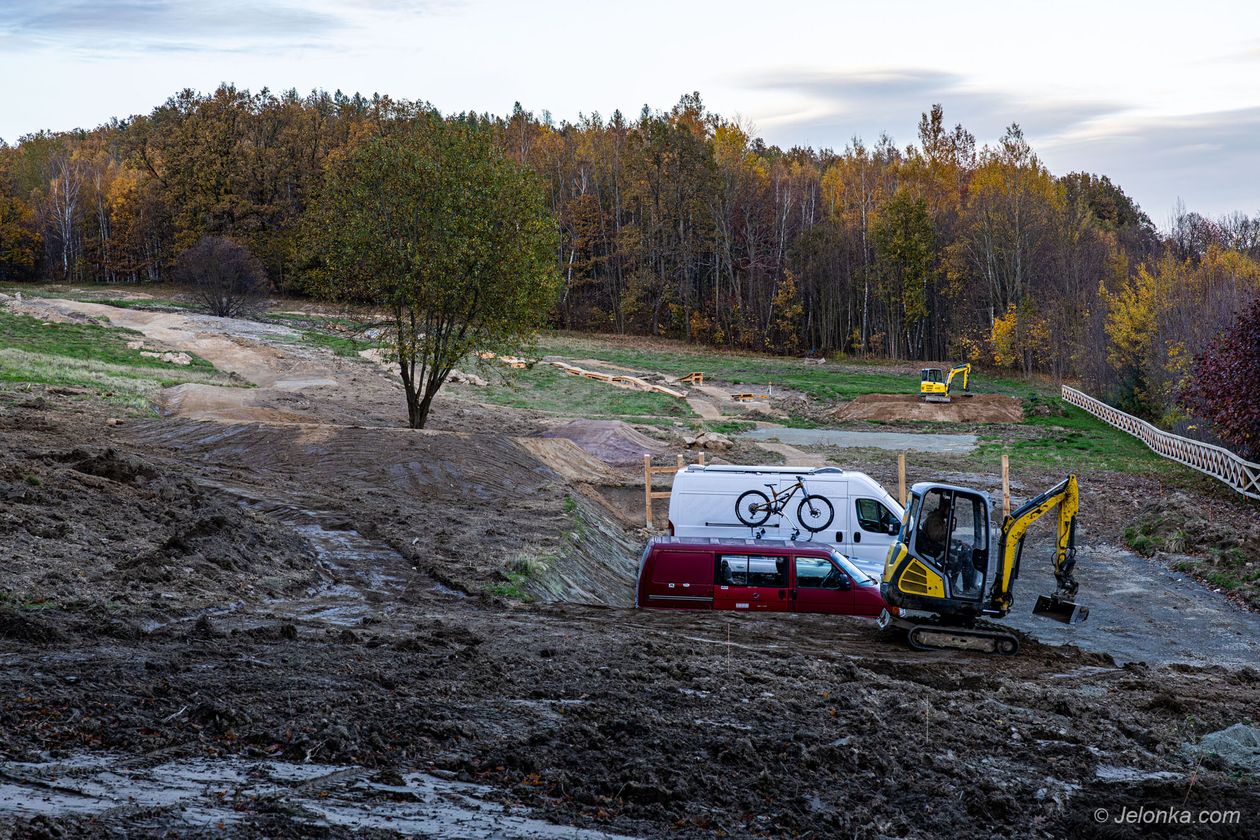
(1060,609)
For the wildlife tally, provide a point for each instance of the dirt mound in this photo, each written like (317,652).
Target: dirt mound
(570,460)
(100,525)
(612,441)
(980,408)
(468,510)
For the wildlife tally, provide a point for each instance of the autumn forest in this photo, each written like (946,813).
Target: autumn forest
(682,223)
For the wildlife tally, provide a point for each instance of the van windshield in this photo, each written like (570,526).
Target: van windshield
(860,577)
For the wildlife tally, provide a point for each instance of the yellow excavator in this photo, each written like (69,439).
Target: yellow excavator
(936,385)
(943,577)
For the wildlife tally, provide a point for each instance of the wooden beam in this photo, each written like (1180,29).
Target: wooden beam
(1006,485)
(647,490)
(901,476)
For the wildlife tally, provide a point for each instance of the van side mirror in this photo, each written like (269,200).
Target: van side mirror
(894,528)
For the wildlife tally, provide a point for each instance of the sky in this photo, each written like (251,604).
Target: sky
(1162,97)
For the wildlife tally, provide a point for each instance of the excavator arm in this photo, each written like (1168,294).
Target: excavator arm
(1065,496)
(960,370)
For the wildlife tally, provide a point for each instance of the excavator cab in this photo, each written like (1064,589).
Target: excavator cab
(932,383)
(941,559)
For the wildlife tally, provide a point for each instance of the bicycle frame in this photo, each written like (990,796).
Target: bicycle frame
(781,497)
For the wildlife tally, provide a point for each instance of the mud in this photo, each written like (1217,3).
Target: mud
(976,408)
(398,633)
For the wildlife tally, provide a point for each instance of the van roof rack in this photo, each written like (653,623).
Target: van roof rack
(738,468)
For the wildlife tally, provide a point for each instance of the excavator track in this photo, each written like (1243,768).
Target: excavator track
(983,637)
(938,637)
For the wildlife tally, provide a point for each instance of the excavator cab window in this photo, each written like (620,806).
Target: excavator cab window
(932,375)
(952,533)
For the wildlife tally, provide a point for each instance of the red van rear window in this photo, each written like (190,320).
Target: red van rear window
(683,567)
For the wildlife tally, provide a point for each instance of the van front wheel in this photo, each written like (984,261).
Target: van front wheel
(753,508)
(815,513)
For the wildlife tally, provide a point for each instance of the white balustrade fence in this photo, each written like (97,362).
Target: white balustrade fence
(1243,476)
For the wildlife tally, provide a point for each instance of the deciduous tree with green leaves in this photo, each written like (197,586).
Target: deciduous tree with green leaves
(434,225)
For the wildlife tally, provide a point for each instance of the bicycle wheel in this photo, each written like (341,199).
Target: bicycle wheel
(753,508)
(815,513)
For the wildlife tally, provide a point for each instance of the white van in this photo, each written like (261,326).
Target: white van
(865,521)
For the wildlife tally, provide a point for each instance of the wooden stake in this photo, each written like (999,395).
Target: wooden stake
(901,476)
(1006,485)
(700,460)
(647,489)
(682,462)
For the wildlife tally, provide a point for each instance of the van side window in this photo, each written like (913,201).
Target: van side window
(752,570)
(873,516)
(816,573)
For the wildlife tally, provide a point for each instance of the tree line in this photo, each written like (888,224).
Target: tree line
(681,223)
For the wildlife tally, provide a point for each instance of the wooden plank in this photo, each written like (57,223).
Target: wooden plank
(1006,485)
(647,489)
(901,476)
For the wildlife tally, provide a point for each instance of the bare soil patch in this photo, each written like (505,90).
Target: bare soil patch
(612,441)
(980,408)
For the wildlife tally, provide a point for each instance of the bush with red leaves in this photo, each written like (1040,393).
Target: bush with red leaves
(1226,384)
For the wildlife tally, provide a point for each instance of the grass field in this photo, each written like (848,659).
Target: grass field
(93,357)
(1078,441)
(545,388)
(837,380)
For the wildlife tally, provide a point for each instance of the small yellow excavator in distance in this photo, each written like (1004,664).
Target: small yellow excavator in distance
(942,578)
(936,385)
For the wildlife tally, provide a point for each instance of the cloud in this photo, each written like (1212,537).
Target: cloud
(131,26)
(866,103)
(1202,158)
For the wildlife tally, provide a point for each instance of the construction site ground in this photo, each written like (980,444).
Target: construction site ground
(271,611)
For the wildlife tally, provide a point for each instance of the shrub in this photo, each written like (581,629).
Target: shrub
(1223,386)
(223,276)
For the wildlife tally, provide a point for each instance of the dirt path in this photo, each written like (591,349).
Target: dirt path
(792,456)
(706,409)
(293,382)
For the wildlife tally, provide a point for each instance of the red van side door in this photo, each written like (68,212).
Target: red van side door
(679,579)
(752,582)
(820,587)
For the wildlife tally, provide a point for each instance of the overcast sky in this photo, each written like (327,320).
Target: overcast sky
(1163,97)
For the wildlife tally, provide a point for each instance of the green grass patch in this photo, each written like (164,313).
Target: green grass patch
(134,303)
(729,427)
(545,388)
(513,587)
(338,343)
(80,341)
(92,357)
(1078,441)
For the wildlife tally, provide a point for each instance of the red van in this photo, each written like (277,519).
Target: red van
(709,573)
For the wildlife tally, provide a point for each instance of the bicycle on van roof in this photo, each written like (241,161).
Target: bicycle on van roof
(754,508)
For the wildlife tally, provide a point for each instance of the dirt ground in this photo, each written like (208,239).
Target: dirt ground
(277,629)
(975,408)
